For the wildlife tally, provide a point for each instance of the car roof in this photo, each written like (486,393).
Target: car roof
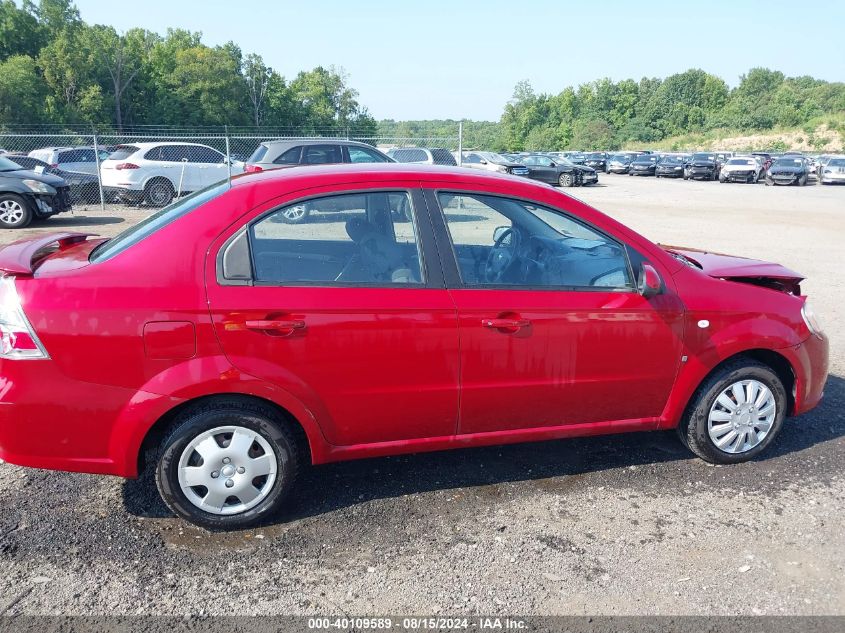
(306,176)
(322,141)
(149,144)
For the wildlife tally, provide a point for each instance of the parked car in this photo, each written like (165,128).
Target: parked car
(24,196)
(702,166)
(597,160)
(84,188)
(491,161)
(833,172)
(82,160)
(669,167)
(644,165)
(422,155)
(322,151)
(253,349)
(155,173)
(765,159)
(789,169)
(620,163)
(747,169)
(559,172)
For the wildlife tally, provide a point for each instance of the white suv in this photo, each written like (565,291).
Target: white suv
(156,173)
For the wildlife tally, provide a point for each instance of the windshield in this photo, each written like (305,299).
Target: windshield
(710,157)
(741,161)
(155,222)
(836,162)
(646,159)
(670,160)
(788,162)
(8,165)
(595,156)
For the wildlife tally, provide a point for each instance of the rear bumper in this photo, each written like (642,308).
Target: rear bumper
(48,420)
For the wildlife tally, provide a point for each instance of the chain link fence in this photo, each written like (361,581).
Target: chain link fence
(152,166)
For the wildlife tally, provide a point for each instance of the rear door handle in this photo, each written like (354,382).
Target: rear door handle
(506,324)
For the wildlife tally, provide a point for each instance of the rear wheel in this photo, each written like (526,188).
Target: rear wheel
(159,192)
(565,180)
(14,211)
(735,414)
(228,464)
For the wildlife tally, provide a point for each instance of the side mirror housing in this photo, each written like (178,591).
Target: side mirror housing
(649,283)
(483,162)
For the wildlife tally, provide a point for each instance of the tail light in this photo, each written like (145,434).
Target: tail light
(252,169)
(18,340)
(121,166)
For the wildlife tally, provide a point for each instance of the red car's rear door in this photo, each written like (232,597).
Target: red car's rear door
(345,310)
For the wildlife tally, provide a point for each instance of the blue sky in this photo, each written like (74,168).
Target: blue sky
(461,59)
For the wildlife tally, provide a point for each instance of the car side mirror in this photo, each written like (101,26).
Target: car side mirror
(483,162)
(499,231)
(553,164)
(649,283)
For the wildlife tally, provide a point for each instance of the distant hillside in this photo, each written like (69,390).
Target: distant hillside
(687,109)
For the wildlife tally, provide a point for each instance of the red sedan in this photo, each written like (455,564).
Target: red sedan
(413,309)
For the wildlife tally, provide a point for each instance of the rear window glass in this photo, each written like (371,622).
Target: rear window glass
(258,154)
(290,157)
(443,157)
(122,152)
(156,222)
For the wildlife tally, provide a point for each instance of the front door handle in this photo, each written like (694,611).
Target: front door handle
(506,324)
(279,326)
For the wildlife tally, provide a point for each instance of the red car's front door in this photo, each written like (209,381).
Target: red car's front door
(344,314)
(553,331)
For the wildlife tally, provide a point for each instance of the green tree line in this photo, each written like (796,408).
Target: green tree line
(604,114)
(57,69)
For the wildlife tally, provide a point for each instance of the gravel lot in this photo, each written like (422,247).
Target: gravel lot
(613,525)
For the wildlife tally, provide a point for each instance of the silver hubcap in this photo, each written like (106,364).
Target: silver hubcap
(565,180)
(742,416)
(227,470)
(295,213)
(11,211)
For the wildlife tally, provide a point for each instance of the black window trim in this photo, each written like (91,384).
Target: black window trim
(430,266)
(452,269)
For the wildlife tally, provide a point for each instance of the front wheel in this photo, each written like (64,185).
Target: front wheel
(228,464)
(14,211)
(735,414)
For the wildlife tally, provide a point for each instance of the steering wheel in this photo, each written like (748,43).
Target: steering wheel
(502,254)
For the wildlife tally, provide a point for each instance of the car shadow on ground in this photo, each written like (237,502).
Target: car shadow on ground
(330,487)
(76,220)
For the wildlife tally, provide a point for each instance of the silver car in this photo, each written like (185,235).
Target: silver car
(422,155)
(833,172)
(80,160)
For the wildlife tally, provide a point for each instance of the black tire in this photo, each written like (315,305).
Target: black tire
(15,212)
(566,180)
(218,412)
(802,182)
(693,427)
(159,192)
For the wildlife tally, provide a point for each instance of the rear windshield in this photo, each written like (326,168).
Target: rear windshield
(156,222)
(258,154)
(122,152)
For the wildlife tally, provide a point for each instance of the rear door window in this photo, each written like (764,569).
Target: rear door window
(357,239)
(321,154)
(202,154)
(364,155)
(409,155)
